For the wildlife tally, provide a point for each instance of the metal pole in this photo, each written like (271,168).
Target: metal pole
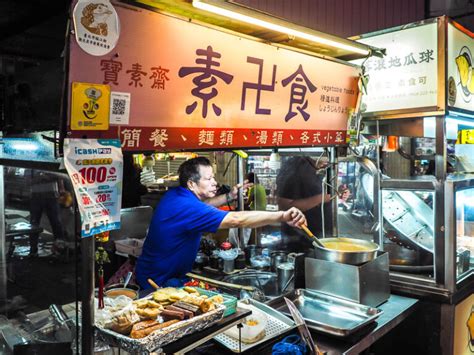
(378,208)
(333,181)
(3,260)
(240,178)
(440,172)
(87,296)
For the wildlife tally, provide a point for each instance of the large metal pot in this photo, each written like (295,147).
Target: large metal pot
(358,251)
(277,257)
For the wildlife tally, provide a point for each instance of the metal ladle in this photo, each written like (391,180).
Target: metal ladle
(316,239)
(127,279)
(245,291)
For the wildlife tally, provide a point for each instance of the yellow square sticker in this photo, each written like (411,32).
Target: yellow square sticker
(90,107)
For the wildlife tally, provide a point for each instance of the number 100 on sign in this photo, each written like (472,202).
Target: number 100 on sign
(90,175)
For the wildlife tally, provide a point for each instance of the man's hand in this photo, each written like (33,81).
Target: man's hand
(294,217)
(234,193)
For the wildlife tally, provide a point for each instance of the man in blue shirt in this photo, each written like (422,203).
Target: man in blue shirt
(184,213)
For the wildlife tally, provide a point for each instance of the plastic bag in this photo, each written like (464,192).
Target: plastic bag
(234,236)
(230,254)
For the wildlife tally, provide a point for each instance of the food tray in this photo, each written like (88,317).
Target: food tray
(328,314)
(130,246)
(277,324)
(162,337)
(230,302)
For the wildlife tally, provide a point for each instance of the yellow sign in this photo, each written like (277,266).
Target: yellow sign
(466,136)
(90,107)
(464,327)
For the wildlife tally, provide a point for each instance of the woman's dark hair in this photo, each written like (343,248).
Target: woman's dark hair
(189,170)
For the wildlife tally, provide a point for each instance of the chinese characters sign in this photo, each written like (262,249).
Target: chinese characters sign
(95,168)
(199,88)
(407,76)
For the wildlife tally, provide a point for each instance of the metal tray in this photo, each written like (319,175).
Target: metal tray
(277,324)
(410,216)
(407,213)
(159,338)
(328,314)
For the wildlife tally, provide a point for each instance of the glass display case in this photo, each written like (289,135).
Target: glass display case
(460,225)
(464,231)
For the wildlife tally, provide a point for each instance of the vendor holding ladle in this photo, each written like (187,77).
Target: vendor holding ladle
(184,213)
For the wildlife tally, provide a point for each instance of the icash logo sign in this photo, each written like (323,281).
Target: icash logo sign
(96,25)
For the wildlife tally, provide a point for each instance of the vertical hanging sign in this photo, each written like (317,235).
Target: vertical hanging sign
(95,167)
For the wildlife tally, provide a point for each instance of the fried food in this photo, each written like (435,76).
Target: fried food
(192,299)
(144,303)
(122,323)
(168,294)
(217,299)
(190,289)
(190,307)
(169,314)
(142,329)
(207,306)
(140,303)
(148,313)
(187,314)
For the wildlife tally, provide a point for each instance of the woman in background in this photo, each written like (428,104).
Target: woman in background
(132,188)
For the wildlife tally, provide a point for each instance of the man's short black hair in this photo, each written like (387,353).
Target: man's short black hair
(189,170)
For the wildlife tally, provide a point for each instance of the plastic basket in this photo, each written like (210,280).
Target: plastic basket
(230,302)
(130,246)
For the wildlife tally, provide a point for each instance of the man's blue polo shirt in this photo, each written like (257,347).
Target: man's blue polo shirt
(173,238)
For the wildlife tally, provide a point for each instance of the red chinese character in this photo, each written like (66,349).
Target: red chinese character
(159,77)
(111,69)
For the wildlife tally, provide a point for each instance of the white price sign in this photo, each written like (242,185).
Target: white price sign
(95,167)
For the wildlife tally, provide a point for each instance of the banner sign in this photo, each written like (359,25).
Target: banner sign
(95,167)
(193,87)
(407,77)
(460,67)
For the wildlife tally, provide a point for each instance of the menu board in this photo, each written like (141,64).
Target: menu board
(407,76)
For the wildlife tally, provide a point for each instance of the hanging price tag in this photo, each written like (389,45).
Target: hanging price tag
(95,167)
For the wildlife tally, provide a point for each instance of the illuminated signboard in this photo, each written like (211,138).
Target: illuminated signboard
(460,66)
(407,77)
(192,87)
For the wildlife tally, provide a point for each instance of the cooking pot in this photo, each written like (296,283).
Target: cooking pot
(201,261)
(346,250)
(277,257)
(116,290)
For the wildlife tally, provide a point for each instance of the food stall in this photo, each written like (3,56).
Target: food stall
(152,76)
(419,99)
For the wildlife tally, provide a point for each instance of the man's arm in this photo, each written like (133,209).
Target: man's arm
(230,196)
(219,200)
(254,219)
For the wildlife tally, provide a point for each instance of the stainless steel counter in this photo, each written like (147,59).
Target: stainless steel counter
(395,310)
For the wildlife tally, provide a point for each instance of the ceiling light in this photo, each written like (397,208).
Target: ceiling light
(235,12)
